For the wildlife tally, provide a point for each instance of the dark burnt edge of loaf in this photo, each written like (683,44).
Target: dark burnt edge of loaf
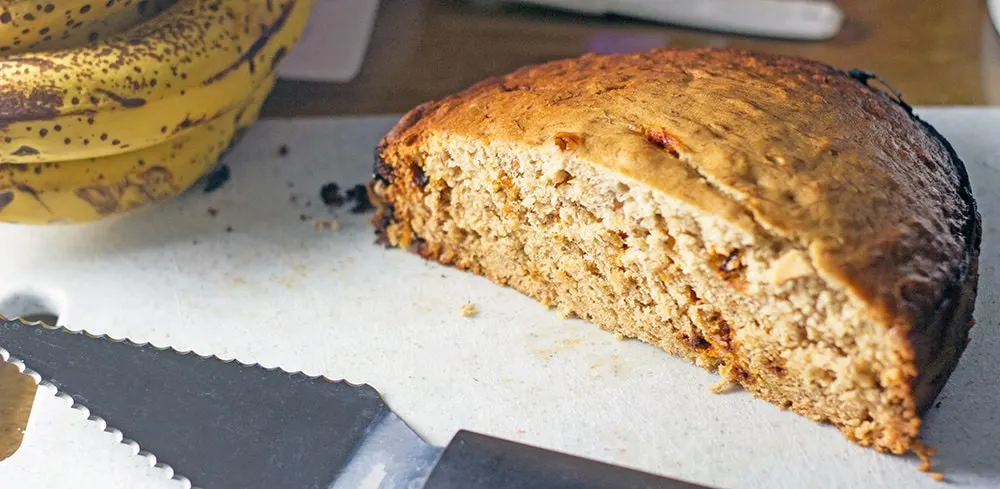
(382,220)
(382,175)
(970,230)
(863,77)
(385,174)
(951,299)
(382,172)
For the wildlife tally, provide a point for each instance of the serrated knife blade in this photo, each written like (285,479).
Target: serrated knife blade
(226,425)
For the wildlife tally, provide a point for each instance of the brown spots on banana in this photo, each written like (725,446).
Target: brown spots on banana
(41,63)
(87,65)
(153,185)
(38,103)
(12,169)
(101,198)
(128,103)
(5,199)
(258,45)
(52,25)
(34,194)
(188,123)
(25,150)
(190,50)
(278,56)
(239,115)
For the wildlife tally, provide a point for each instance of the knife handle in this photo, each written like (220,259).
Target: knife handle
(476,461)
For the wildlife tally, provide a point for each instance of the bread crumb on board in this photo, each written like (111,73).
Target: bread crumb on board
(216,178)
(722,386)
(327,225)
(924,453)
(357,196)
(469,310)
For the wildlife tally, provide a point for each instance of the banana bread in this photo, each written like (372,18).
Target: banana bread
(789,225)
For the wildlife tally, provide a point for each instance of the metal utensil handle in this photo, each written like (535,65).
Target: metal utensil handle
(476,461)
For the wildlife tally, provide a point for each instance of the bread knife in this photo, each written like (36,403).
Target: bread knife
(789,19)
(226,425)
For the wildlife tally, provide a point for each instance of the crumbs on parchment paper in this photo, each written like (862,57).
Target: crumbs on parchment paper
(327,225)
(330,194)
(924,453)
(469,310)
(332,197)
(722,386)
(216,178)
(357,196)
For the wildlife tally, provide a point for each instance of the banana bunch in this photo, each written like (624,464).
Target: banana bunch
(31,25)
(118,104)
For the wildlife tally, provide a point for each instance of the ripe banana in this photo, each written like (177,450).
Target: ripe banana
(96,188)
(35,25)
(156,81)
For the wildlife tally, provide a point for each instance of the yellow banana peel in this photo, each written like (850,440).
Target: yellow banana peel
(158,80)
(33,26)
(97,188)
(110,107)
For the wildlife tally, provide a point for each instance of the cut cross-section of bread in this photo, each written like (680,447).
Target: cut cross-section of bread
(773,219)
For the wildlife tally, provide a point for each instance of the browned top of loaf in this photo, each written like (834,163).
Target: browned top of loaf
(779,145)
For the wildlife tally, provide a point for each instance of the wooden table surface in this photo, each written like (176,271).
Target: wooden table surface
(936,52)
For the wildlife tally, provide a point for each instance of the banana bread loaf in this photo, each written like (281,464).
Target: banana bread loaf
(773,219)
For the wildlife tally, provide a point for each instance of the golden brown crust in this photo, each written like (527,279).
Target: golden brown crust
(805,151)
(779,146)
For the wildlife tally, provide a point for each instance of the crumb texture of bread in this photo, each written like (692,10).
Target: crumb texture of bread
(768,218)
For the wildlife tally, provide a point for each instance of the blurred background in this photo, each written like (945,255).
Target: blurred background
(936,52)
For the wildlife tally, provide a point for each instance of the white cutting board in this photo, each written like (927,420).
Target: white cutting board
(278,291)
